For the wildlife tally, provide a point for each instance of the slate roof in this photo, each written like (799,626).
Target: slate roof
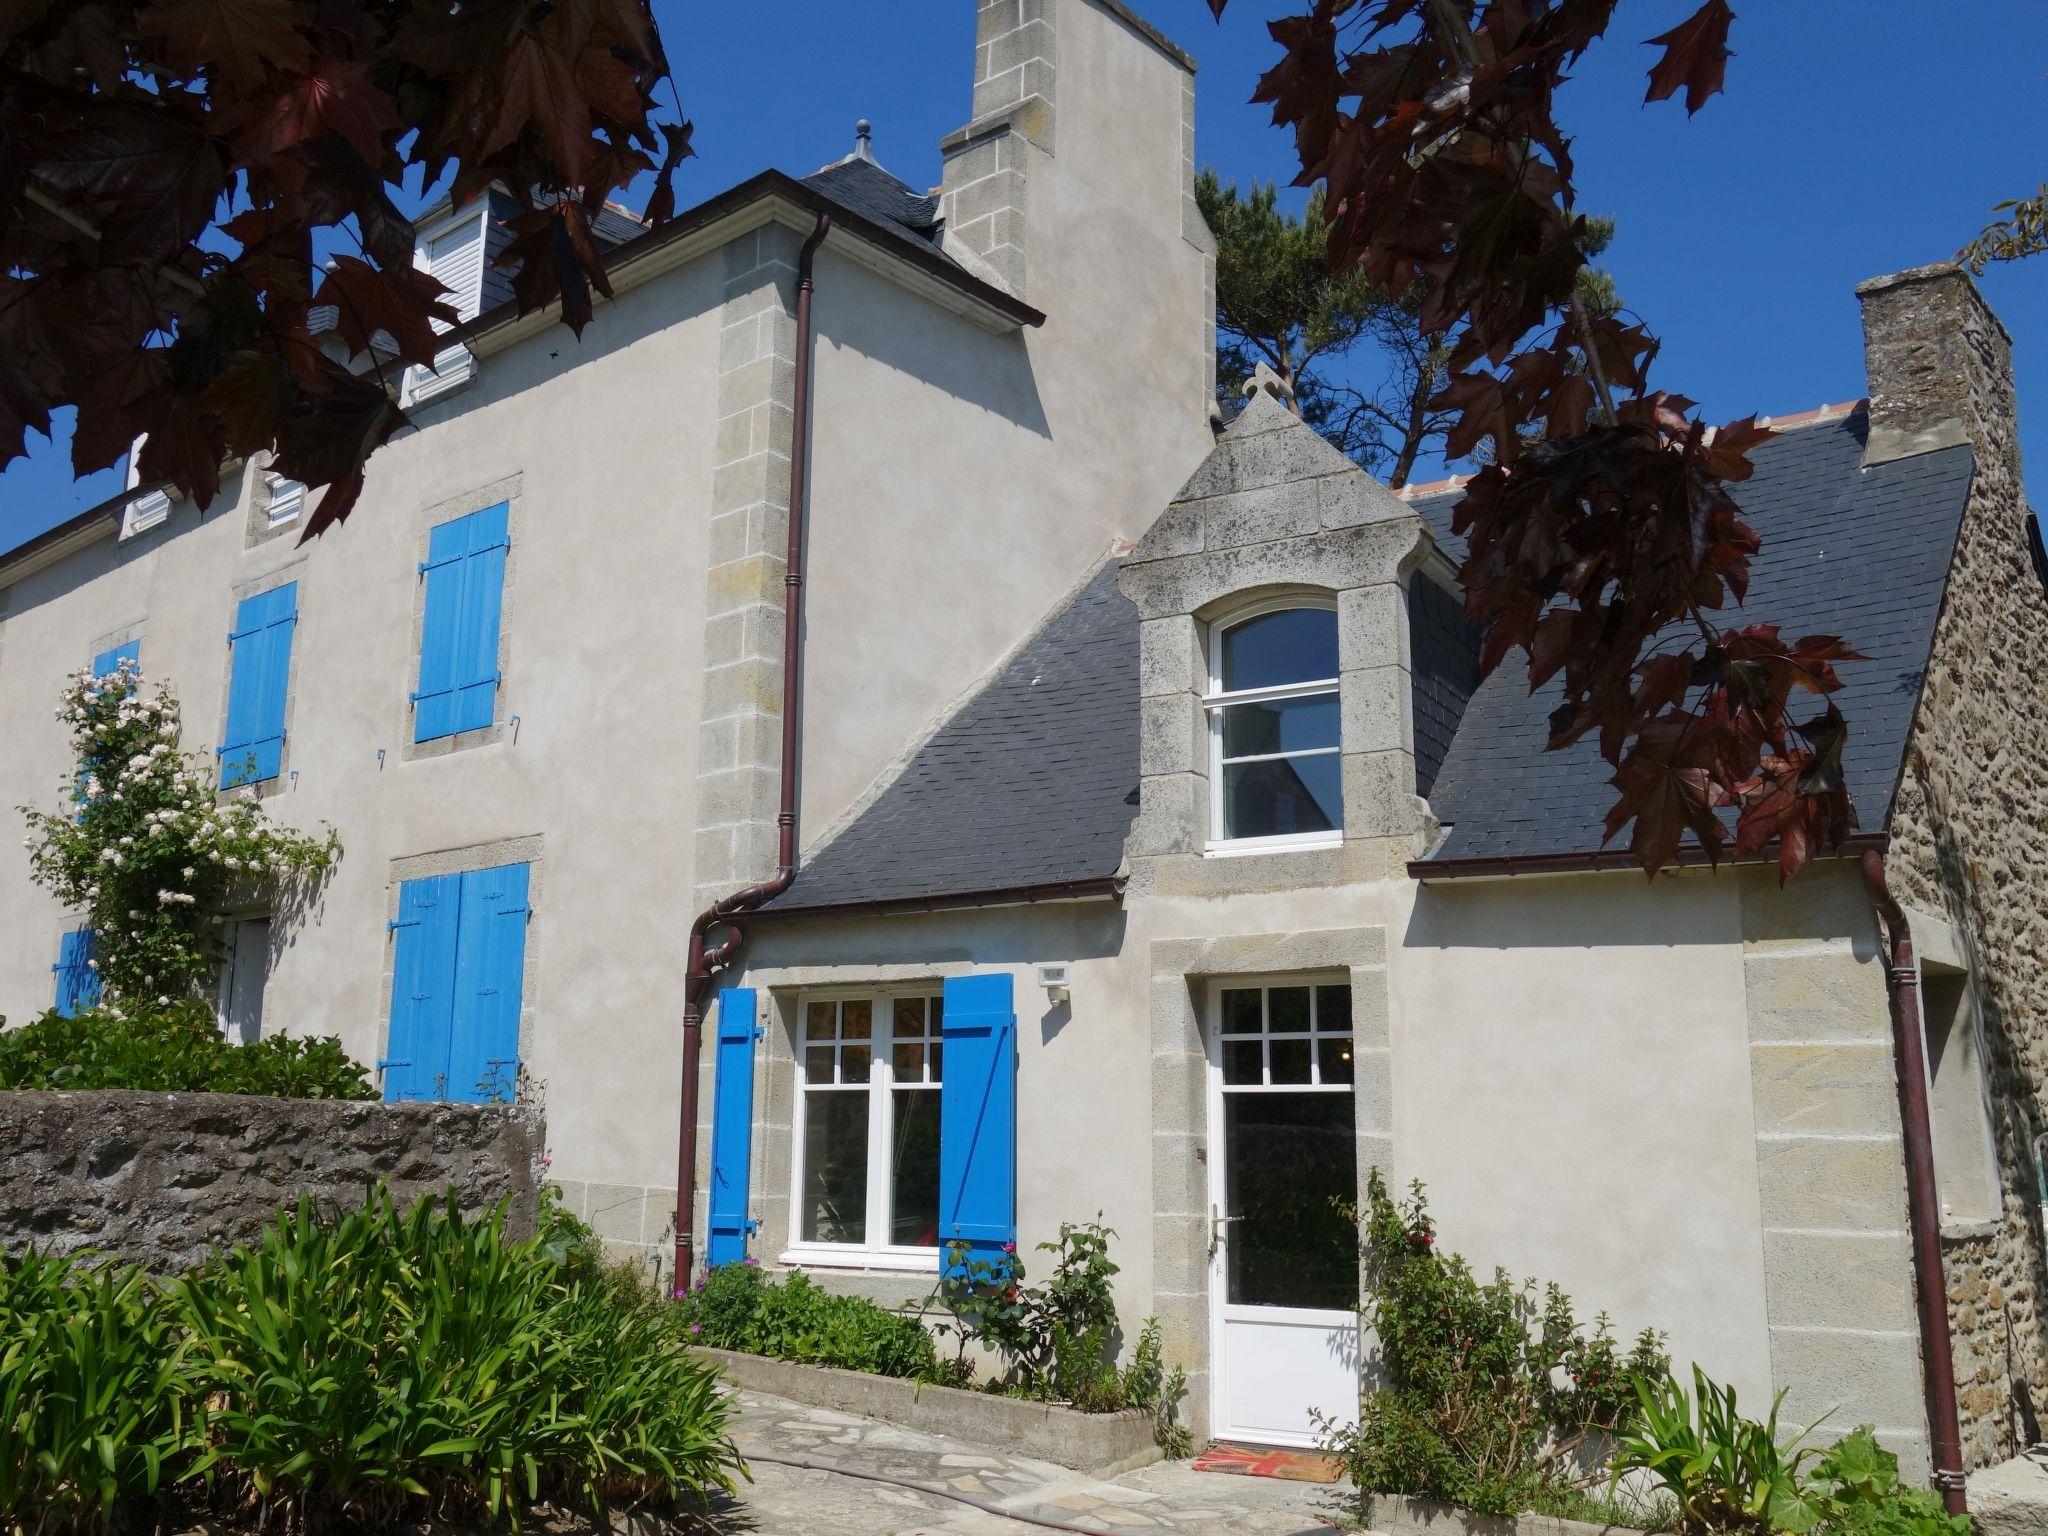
(867,189)
(857,185)
(1034,781)
(1862,553)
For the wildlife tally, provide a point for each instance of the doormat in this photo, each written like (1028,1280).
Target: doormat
(1267,1461)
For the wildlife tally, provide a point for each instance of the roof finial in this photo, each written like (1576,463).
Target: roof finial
(863,141)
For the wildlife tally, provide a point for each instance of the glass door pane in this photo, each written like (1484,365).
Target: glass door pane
(1290,1181)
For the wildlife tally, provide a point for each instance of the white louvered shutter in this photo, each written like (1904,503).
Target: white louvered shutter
(456,257)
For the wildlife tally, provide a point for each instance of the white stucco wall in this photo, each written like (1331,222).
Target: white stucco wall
(961,482)
(607,440)
(1572,1083)
(1571,1077)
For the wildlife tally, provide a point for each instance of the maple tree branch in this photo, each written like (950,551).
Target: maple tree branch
(1593,363)
(56,210)
(1453,26)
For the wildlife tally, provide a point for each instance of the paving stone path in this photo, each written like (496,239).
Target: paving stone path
(789,1501)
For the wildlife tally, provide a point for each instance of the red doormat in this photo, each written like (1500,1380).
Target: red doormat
(1267,1461)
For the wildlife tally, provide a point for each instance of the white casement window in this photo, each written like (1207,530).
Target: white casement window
(283,499)
(865,1186)
(1275,761)
(453,251)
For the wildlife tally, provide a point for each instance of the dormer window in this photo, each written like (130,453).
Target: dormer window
(1276,765)
(452,249)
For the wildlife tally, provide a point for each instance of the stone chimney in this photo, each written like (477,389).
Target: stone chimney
(1125,129)
(1940,369)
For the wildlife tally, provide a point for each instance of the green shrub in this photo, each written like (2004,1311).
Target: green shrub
(143,845)
(1055,1340)
(1854,1490)
(1487,1396)
(177,1048)
(737,1307)
(1729,1474)
(386,1357)
(374,1369)
(1058,1340)
(1725,1472)
(96,1392)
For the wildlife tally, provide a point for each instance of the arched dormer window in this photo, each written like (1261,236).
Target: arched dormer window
(1275,762)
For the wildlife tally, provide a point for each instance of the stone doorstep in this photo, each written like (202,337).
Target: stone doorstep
(1101,1444)
(1390,1514)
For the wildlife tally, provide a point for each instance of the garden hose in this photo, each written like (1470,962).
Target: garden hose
(805,1464)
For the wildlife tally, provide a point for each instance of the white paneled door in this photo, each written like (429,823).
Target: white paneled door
(1283,1187)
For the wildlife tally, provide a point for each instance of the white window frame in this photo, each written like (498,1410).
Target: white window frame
(422,383)
(1215,701)
(881,1126)
(1317,1032)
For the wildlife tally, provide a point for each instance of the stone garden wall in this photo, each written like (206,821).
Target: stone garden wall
(163,1179)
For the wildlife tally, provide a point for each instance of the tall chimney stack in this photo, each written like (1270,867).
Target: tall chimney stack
(1940,370)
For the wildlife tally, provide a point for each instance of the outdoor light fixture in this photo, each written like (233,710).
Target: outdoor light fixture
(1052,976)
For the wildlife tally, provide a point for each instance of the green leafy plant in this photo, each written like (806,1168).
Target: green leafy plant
(735,1306)
(97,1399)
(376,1368)
(1491,1394)
(1726,1473)
(1149,1383)
(177,1048)
(147,847)
(388,1361)
(1057,1342)
(1854,1490)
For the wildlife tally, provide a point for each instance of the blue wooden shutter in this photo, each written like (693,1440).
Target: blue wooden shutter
(732,1130)
(415,1062)
(465,576)
(253,748)
(490,971)
(109,661)
(78,984)
(978,1116)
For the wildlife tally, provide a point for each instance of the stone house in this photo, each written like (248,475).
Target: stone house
(1180,881)
(1257,873)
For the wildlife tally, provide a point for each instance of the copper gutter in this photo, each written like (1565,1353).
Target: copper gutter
(1923,1205)
(706,962)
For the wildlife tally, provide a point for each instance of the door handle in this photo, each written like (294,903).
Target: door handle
(1217,1222)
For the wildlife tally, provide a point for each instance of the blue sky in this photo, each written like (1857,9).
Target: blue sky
(1853,140)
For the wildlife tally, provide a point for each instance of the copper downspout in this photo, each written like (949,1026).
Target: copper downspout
(706,963)
(1923,1206)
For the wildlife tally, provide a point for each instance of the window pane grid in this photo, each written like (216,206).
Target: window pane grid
(1310,1049)
(1275,727)
(868,1174)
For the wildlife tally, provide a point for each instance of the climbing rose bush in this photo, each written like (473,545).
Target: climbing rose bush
(149,849)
